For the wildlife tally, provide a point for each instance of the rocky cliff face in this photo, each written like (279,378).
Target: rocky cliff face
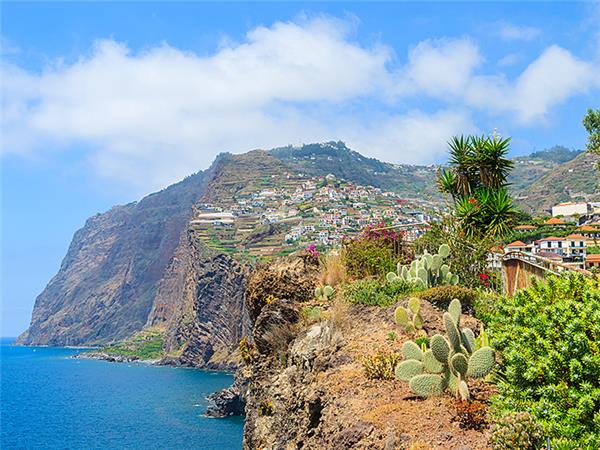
(106,286)
(305,387)
(210,317)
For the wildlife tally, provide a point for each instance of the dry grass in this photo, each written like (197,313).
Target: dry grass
(333,271)
(338,314)
(419,445)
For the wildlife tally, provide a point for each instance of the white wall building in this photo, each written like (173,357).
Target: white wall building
(570,209)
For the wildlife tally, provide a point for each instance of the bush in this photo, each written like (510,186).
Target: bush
(549,337)
(441,296)
(373,253)
(311,314)
(516,431)
(381,365)
(468,256)
(247,350)
(378,293)
(470,415)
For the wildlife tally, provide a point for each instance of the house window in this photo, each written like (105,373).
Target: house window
(549,244)
(559,244)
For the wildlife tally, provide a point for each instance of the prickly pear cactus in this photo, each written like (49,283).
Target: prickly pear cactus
(450,361)
(427,270)
(410,318)
(324,292)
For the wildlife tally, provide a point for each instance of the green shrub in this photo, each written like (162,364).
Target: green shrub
(311,314)
(516,431)
(380,366)
(373,253)
(247,350)
(265,408)
(549,336)
(441,296)
(378,292)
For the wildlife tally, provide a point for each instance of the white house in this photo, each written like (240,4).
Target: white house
(552,244)
(571,208)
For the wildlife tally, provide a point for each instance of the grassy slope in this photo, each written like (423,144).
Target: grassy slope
(574,180)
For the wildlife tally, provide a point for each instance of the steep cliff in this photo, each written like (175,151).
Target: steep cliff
(106,286)
(305,387)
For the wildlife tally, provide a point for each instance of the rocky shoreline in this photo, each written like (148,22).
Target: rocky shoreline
(115,358)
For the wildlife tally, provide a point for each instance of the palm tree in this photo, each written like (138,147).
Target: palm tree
(476,180)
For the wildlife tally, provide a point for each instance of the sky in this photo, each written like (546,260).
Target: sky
(103,103)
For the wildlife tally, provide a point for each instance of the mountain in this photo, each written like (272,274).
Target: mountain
(154,265)
(540,183)
(176,262)
(107,282)
(339,160)
(557,154)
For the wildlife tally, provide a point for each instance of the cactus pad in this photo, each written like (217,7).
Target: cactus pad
(459,364)
(481,362)
(408,369)
(431,364)
(401,316)
(440,348)
(410,350)
(452,332)
(455,309)
(427,385)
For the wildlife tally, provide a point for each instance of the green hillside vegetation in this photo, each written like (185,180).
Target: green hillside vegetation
(146,344)
(575,180)
(557,154)
(336,158)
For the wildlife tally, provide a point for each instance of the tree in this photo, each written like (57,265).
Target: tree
(591,122)
(476,180)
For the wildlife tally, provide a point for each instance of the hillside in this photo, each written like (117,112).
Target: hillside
(176,259)
(539,185)
(336,158)
(107,282)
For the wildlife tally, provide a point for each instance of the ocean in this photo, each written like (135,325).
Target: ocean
(51,401)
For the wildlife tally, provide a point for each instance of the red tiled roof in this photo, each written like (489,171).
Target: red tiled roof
(587,228)
(576,236)
(525,227)
(517,244)
(592,258)
(551,238)
(553,221)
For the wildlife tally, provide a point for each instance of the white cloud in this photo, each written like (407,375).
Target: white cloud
(166,112)
(414,138)
(551,79)
(509,60)
(440,67)
(511,32)
(148,118)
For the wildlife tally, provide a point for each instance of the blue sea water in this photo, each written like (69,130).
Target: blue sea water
(51,401)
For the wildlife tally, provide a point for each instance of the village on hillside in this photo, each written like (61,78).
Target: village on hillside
(293,211)
(571,236)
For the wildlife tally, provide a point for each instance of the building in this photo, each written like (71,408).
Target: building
(592,262)
(552,244)
(518,246)
(571,209)
(525,228)
(554,222)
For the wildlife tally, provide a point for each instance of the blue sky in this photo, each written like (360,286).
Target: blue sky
(105,102)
